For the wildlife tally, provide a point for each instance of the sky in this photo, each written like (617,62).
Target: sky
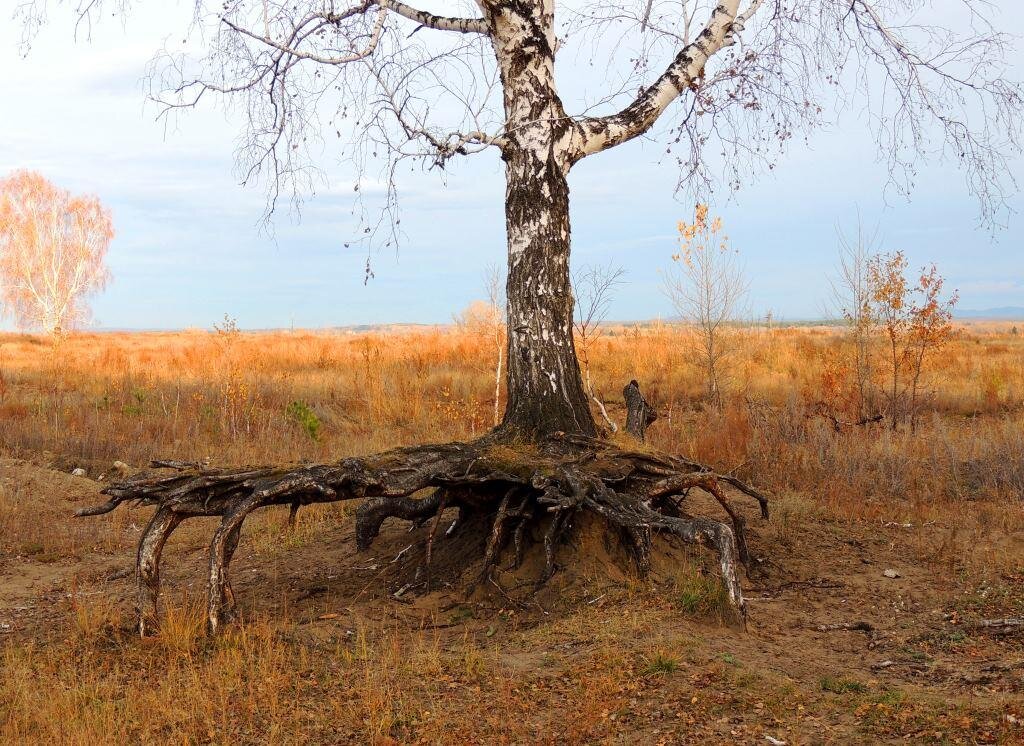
(190,248)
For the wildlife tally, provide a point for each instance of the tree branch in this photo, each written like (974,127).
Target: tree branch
(601,133)
(440,23)
(293,51)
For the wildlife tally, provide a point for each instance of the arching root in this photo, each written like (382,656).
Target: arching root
(220,599)
(521,490)
(147,564)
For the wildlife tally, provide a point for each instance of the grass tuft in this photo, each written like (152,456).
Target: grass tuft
(841,685)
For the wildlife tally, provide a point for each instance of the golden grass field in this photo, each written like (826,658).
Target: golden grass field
(326,655)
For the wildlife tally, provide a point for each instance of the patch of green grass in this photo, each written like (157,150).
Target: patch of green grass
(745,679)
(461,614)
(891,697)
(690,600)
(660,664)
(919,656)
(702,595)
(842,686)
(306,417)
(951,640)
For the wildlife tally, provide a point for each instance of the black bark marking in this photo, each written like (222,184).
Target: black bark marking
(545,388)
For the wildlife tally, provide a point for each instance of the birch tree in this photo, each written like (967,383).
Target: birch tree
(592,288)
(52,252)
(851,299)
(724,86)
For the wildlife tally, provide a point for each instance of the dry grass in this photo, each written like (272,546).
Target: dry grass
(242,398)
(622,668)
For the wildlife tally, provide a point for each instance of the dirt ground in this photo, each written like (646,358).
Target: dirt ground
(598,657)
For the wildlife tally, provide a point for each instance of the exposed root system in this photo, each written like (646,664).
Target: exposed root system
(510,492)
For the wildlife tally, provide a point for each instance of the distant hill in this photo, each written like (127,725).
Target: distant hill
(1005,313)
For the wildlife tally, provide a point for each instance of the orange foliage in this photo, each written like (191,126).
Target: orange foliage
(915,321)
(52,250)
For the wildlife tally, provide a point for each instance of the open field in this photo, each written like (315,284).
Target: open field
(327,655)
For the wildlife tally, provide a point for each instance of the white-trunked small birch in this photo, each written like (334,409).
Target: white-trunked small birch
(728,83)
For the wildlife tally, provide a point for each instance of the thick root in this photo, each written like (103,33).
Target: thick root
(497,538)
(147,566)
(372,513)
(220,597)
(521,490)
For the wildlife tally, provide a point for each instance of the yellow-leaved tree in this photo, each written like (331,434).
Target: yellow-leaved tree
(53,248)
(706,285)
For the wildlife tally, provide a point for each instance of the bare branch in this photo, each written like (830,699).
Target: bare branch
(601,133)
(750,76)
(291,50)
(440,23)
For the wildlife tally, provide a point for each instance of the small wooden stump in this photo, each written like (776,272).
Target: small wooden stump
(639,414)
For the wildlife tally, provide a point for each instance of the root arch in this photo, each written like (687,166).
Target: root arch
(513,491)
